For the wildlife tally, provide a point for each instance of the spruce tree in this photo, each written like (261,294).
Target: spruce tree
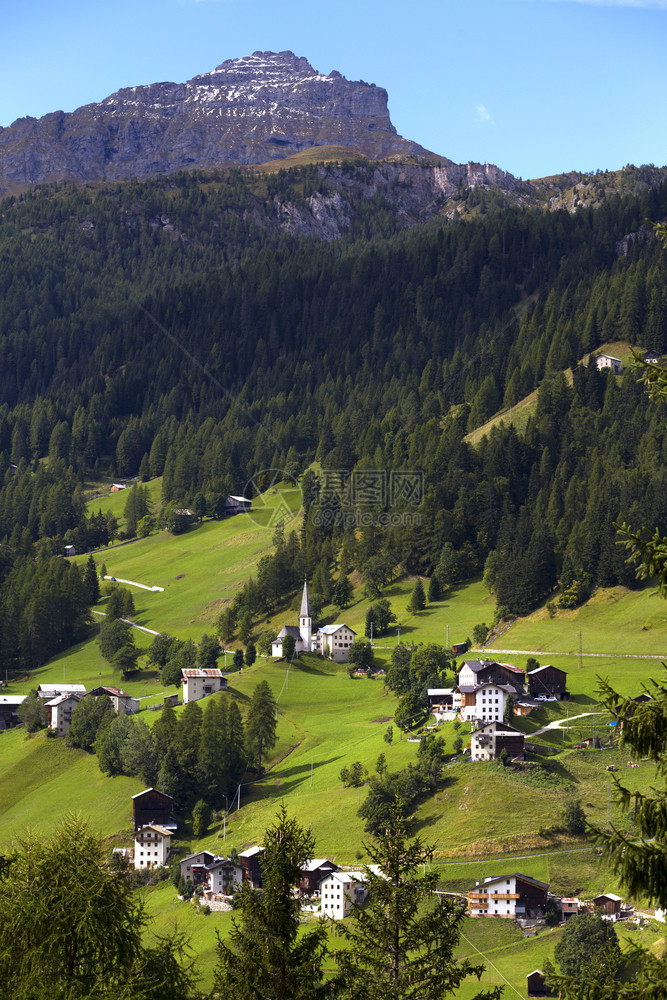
(260,724)
(401,945)
(91,582)
(266,957)
(418,599)
(434,589)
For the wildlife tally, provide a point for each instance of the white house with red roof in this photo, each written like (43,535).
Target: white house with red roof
(199,682)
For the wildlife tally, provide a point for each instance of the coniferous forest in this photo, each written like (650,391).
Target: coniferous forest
(172,327)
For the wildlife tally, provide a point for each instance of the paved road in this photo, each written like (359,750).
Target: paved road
(544,652)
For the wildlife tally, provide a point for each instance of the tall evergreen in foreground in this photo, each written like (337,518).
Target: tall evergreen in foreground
(266,958)
(401,945)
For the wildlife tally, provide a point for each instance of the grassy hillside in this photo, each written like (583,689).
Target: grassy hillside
(483,818)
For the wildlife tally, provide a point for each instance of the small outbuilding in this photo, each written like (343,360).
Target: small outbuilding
(547,682)
(153,807)
(535,984)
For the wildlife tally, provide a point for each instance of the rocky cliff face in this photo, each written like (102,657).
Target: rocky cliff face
(251,110)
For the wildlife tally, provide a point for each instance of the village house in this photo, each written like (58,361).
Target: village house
(472,673)
(312,874)
(194,868)
(117,487)
(123,703)
(606,361)
(508,896)
(340,891)
(201,682)
(489,741)
(49,691)
(223,877)
(59,712)
(237,505)
(651,357)
(152,844)
(569,907)
(9,707)
(333,641)
(70,550)
(153,807)
(610,904)
(547,682)
(483,703)
(251,867)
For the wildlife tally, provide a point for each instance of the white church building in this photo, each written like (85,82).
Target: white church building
(333,641)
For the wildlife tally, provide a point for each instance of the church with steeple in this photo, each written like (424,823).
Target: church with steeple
(333,641)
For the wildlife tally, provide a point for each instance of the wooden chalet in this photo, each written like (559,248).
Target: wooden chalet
(548,681)
(152,807)
(609,903)
(9,707)
(251,867)
(312,874)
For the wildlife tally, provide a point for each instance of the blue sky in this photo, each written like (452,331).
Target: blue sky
(535,86)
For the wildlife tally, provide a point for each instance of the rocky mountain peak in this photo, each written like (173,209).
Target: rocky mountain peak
(261,107)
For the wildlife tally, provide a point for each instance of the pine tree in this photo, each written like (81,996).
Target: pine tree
(401,944)
(213,752)
(434,589)
(91,582)
(260,731)
(267,957)
(418,599)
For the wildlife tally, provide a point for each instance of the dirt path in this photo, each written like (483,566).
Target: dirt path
(133,583)
(142,628)
(559,723)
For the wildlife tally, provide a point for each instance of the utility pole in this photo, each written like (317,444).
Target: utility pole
(224,827)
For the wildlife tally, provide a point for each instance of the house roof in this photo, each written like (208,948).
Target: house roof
(60,698)
(610,895)
(477,665)
(239,499)
(502,878)
(157,792)
(507,730)
(305,603)
(12,699)
(547,666)
(315,863)
(292,630)
(113,692)
(436,691)
(54,689)
(198,854)
(251,852)
(220,863)
(201,672)
(154,826)
(330,629)
(354,876)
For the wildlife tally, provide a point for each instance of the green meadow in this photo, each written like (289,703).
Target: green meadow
(483,819)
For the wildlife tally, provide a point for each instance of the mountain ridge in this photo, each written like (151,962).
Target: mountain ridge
(246,111)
